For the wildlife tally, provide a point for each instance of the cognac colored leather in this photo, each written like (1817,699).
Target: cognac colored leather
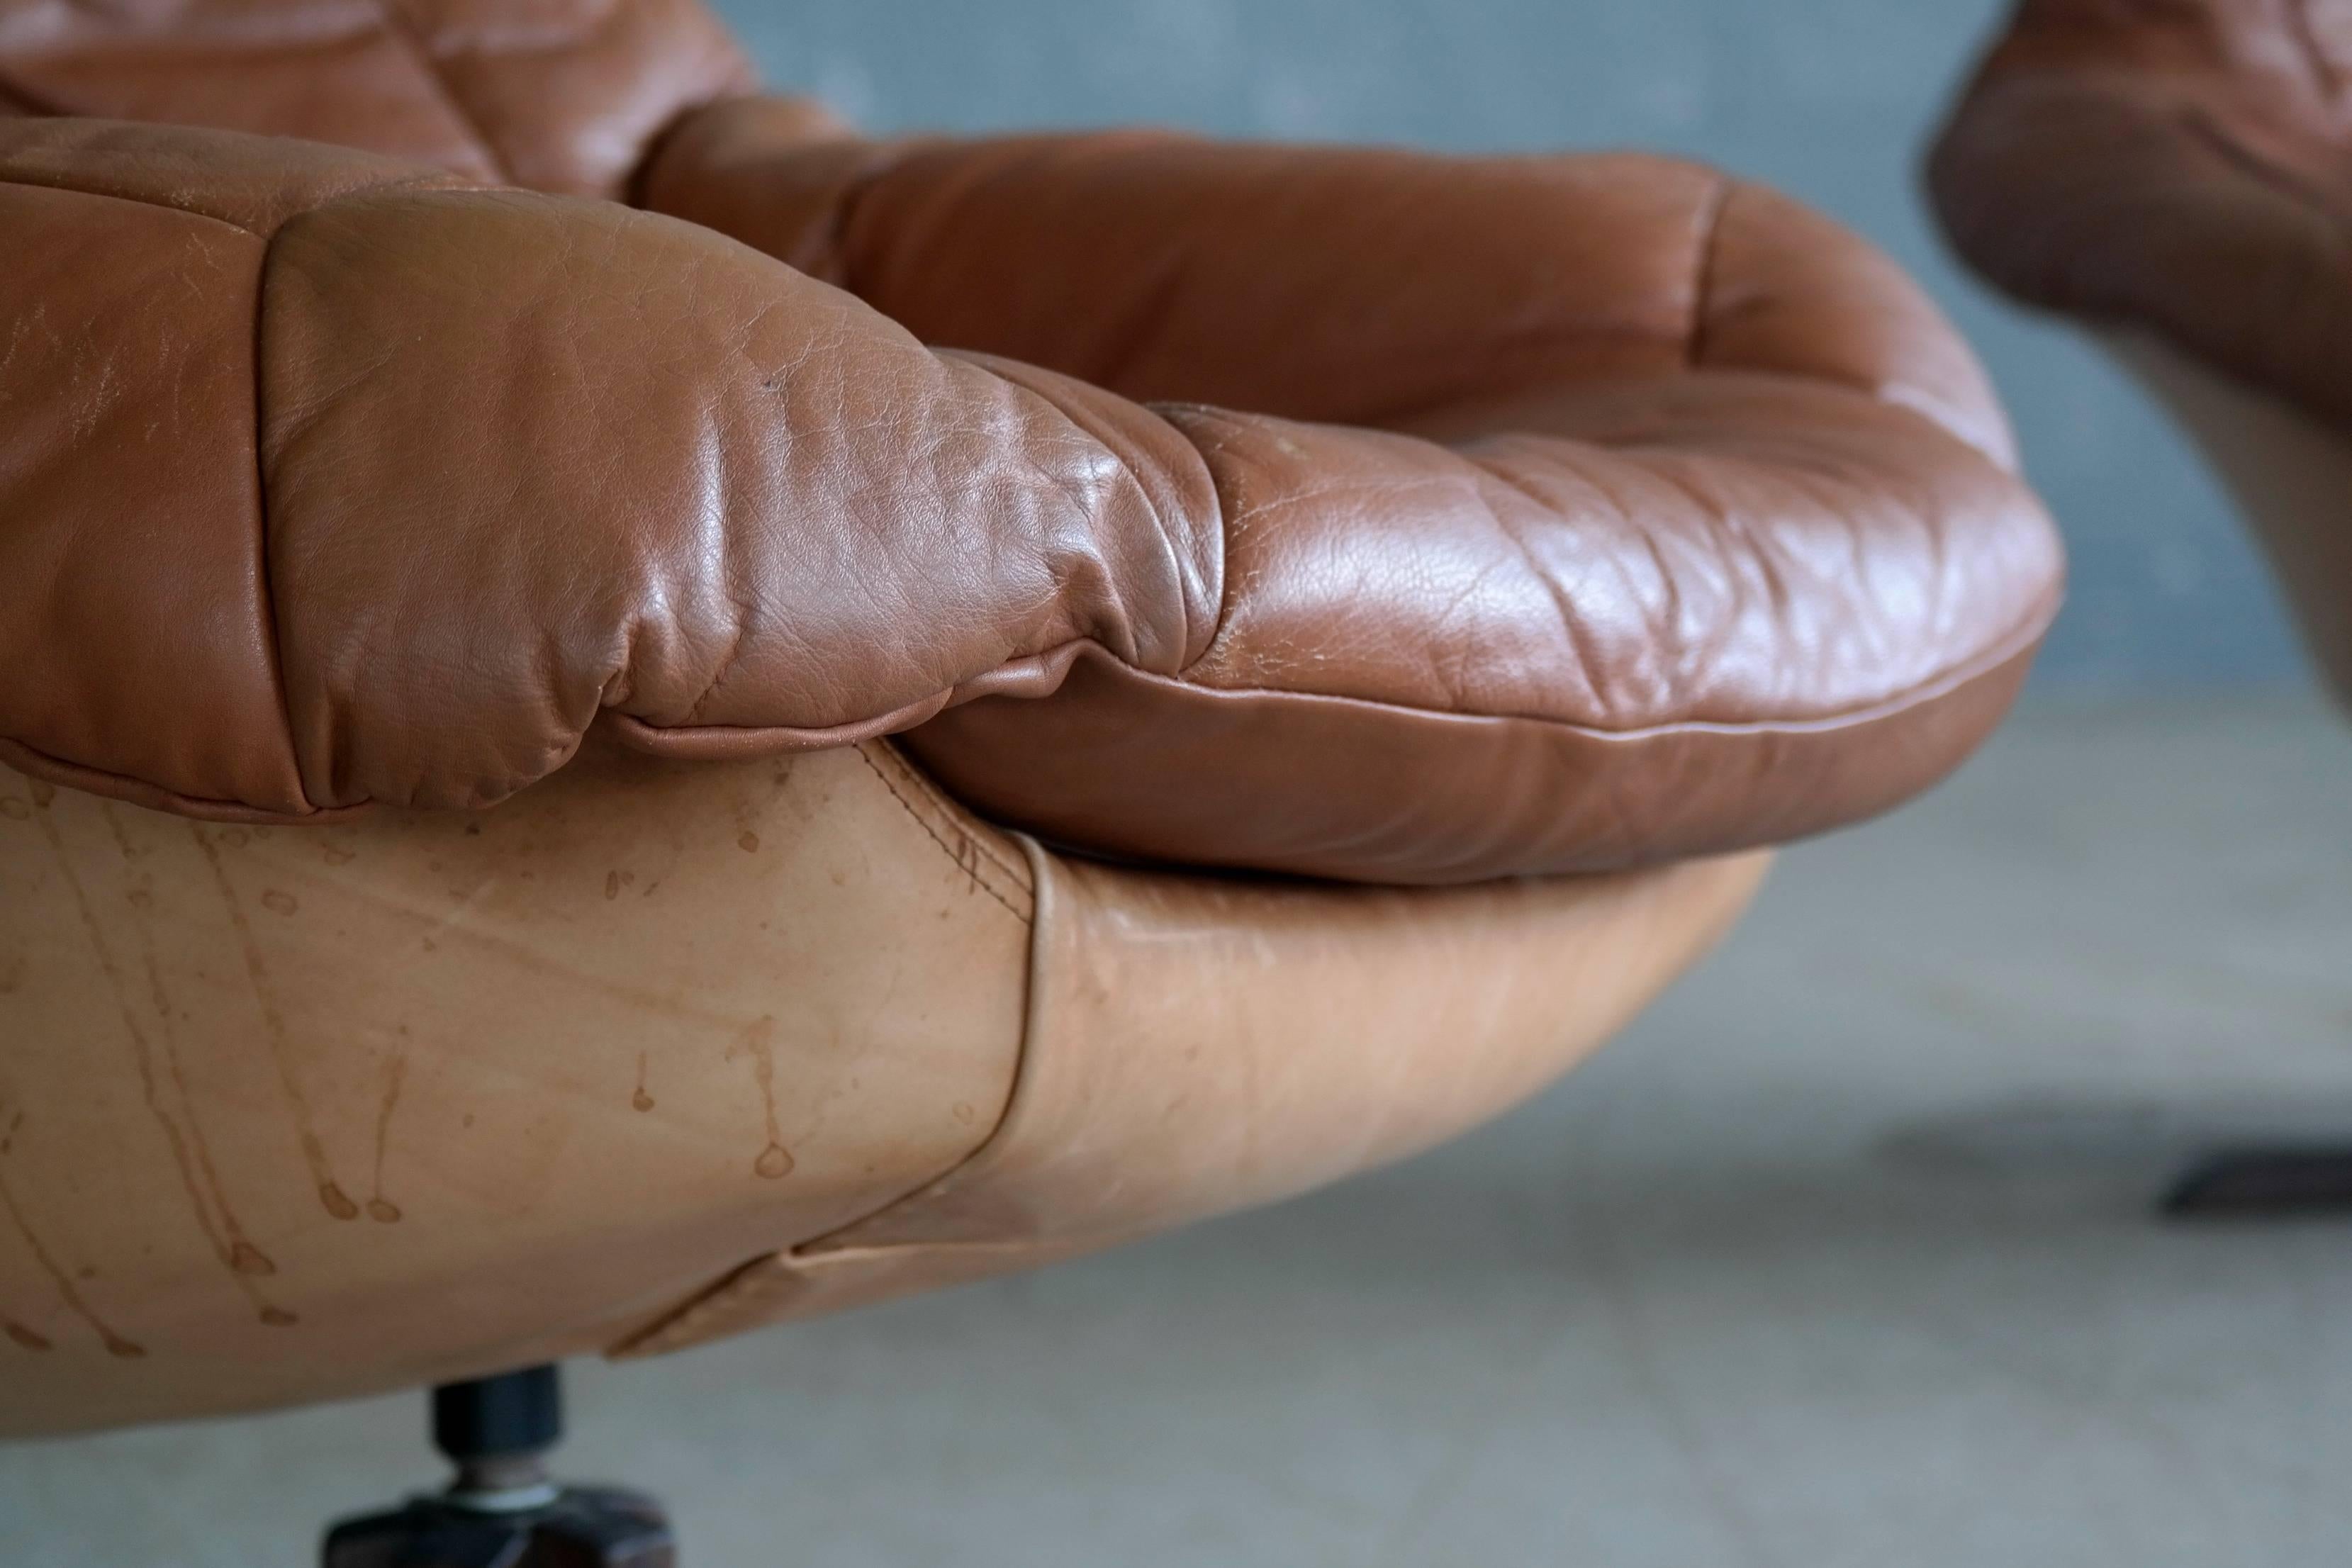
(1358,514)
(464,562)
(2175,174)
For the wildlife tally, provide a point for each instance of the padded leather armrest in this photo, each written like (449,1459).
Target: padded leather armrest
(335,480)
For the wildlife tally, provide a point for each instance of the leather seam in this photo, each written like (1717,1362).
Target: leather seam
(1016,1091)
(137,201)
(265,583)
(2019,640)
(945,848)
(397,28)
(831,261)
(123,787)
(1225,585)
(1994,655)
(1710,252)
(940,803)
(755,1277)
(427,181)
(1167,541)
(2022,635)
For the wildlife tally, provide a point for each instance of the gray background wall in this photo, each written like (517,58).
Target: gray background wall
(1831,99)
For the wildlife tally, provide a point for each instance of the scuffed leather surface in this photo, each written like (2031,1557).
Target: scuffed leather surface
(2174,165)
(1354,513)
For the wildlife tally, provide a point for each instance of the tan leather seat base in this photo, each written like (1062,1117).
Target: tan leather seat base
(292,1114)
(2290,474)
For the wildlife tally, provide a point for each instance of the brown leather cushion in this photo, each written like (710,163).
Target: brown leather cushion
(2177,165)
(1361,514)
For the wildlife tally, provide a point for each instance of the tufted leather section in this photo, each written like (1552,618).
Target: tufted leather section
(1354,513)
(559,95)
(2174,165)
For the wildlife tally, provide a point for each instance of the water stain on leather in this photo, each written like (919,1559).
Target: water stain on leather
(380,1208)
(335,854)
(747,813)
(120,1348)
(43,792)
(273,1021)
(192,1154)
(15,810)
(24,1336)
(759,1042)
(279,903)
(641,1100)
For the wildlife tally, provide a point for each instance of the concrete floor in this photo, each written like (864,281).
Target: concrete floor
(1842,1256)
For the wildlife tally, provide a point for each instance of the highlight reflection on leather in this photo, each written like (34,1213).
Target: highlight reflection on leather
(1444,518)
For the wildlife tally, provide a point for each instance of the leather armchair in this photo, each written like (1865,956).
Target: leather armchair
(1348,624)
(2171,174)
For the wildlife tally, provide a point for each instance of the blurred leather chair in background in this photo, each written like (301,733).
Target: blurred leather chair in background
(2176,175)
(1348,621)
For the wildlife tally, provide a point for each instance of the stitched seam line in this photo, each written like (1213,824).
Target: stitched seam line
(1995,654)
(266,588)
(139,791)
(983,883)
(136,201)
(939,802)
(832,256)
(433,181)
(749,1285)
(1225,584)
(1167,541)
(397,28)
